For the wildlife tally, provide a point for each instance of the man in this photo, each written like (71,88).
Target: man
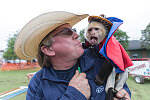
(50,39)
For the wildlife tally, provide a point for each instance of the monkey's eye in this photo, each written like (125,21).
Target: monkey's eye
(96,29)
(90,29)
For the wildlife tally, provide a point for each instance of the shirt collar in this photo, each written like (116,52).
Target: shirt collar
(86,62)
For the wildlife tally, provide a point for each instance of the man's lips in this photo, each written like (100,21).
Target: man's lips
(79,43)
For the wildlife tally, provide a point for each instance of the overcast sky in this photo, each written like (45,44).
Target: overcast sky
(14,14)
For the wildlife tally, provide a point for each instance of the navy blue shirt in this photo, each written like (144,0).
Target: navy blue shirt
(66,74)
(49,84)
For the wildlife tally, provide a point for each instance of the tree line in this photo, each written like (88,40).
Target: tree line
(120,35)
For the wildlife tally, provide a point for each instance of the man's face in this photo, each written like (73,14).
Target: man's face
(66,43)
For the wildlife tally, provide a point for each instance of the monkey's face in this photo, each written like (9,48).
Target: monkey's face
(95,33)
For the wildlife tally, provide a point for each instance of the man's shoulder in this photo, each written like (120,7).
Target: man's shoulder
(94,55)
(35,86)
(87,52)
(37,77)
(87,56)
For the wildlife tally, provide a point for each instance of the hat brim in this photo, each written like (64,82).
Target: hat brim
(29,38)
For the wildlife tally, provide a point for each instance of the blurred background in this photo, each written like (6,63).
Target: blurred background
(133,34)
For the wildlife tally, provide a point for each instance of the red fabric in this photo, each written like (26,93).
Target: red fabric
(102,43)
(87,44)
(117,54)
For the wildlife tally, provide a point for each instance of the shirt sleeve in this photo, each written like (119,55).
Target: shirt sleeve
(33,92)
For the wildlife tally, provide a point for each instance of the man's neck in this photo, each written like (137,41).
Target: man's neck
(63,65)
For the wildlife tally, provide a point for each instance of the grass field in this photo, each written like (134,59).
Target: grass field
(139,91)
(13,79)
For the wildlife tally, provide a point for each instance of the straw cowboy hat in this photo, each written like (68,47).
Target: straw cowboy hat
(100,19)
(29,38)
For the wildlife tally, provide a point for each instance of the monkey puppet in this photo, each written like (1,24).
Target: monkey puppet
(98,34)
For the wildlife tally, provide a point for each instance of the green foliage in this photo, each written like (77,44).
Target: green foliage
(122,38)
(145,39)
(81,35)
(9,53)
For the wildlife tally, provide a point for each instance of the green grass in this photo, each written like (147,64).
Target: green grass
(19,97)
(13,79)
(139,91)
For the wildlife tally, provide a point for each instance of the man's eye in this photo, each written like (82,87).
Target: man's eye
(96,29)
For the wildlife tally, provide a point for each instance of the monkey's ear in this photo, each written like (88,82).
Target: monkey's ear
(48,51)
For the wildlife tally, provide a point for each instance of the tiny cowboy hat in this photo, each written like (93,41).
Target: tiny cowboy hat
(29,38)
(101,19)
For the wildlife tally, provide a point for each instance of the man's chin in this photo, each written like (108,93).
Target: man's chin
(81,51)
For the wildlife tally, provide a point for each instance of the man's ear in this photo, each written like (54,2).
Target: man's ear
(48,50)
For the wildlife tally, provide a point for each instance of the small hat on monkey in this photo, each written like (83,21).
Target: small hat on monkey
(101,19)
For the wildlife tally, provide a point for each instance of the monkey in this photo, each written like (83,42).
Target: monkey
(96,34)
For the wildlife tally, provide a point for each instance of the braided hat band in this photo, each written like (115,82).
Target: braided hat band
(102,20)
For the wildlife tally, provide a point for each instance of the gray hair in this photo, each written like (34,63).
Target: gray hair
(43,59)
